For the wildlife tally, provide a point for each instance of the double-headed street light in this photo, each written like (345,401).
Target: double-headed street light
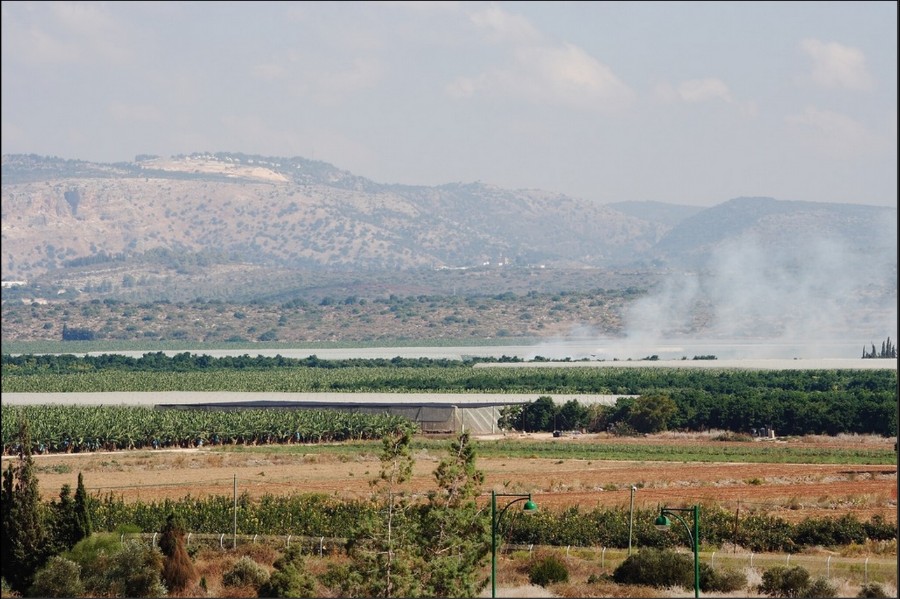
(663,523)
(530,507)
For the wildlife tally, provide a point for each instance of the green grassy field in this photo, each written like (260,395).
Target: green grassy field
(592,450)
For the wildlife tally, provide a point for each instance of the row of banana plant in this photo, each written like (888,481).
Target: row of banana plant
(59,428)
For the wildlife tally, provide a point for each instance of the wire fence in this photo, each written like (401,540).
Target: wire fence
(858,570)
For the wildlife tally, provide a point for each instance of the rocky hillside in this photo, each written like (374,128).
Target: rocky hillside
(291,213)
(238,227)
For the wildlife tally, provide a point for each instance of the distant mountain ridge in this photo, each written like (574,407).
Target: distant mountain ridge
(237,209)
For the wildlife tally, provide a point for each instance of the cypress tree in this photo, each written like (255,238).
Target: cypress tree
(6,519)
(61,526)
(23,524)
(84,525)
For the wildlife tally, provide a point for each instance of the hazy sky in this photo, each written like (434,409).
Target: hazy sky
(681,102)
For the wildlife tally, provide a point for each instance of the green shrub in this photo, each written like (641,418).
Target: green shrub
(721,581)
(820,589)
(131,569)
(87,550)
(732,436)
(59,577)
(290,578)
(658,568)
(782,581)
(547,570)
(245,572)
(872,590)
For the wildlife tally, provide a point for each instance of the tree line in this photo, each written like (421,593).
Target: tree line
(888,350)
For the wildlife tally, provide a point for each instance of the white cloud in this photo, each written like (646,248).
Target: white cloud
(502,26)
(838,66)
(568,75)
(709,89)
(831,132)
(71,32)
(540,72)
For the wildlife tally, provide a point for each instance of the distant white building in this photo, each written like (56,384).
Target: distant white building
(9,284)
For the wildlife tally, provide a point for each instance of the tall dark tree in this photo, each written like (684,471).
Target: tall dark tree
(6,501)
(84,526)
(178,570)
(23,525)
(61,524)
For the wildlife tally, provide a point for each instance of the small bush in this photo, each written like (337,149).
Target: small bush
(657,568)
(872,591)
(547,570)
(134,569)
(734,437)
(781,581)
(820,589)
(89,549)
(245,572)
(721,581)
(290,578)
(60,577)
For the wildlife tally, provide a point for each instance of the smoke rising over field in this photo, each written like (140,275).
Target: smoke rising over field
(804,293)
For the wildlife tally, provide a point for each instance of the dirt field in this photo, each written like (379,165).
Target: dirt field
(794,491)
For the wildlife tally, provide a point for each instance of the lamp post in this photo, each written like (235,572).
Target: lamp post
(529,508)
(662,523)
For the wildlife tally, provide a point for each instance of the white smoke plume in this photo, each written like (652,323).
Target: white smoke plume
(811,297)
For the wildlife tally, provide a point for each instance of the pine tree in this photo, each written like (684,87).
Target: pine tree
(455,532)
(383,550)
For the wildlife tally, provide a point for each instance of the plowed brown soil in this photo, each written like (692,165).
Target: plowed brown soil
(793,491)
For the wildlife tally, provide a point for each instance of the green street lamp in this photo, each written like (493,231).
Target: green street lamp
(663,523)
(530,507)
